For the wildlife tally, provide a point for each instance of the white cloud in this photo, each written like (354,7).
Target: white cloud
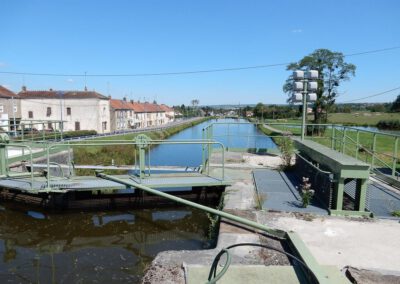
(70,80)
(297,31)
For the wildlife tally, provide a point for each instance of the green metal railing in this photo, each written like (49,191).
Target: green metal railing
(26,129)
(140,162)
(352,141)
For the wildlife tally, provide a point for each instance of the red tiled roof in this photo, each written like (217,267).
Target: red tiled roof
(166,108)
(64,94)
(151,107)
(136,106)
(6,93)
(120,104)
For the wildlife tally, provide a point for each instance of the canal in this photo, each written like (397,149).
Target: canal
(110,246)
(238,135)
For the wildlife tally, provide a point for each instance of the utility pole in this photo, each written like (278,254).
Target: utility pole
(13,111)
(61,114)
(303,83)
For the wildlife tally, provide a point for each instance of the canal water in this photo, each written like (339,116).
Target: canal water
(92,247)
(109,246)
(238,135)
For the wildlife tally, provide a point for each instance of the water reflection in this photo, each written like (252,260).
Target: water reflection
(93,246)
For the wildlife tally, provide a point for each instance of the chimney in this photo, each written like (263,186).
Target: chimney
(85,89)
(131,101)
(124,99)
(24,88)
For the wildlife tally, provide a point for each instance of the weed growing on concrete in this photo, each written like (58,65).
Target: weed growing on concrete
(287,149)
(260,198)
(396,213)
(213,229)
(306,192)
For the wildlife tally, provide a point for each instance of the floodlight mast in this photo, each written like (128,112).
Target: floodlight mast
(304,82)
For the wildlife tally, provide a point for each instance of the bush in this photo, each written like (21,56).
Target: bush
(389,124)
(78,133)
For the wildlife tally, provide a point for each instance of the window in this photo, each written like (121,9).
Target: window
(104,125)
(48,113)
(1,108)
(30,114)
(77,125)
(49,125)
(68,111)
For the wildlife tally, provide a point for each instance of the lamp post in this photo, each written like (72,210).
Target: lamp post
(304,86)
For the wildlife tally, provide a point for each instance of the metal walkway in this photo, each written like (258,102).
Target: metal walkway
(85,183)
(381,200)
(281,194)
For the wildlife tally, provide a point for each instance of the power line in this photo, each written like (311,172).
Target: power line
(372,51)
(374,95)
(182,72)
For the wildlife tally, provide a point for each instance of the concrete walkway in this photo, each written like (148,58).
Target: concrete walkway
(383,200)
(281,194)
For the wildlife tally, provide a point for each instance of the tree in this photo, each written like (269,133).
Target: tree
(396,105)
(332,69)
(259,110)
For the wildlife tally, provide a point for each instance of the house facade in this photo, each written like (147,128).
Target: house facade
(132,115)
(169,113)
(80,110)
(10,109)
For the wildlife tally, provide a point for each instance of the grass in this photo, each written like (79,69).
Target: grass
(384,147)
(361,118)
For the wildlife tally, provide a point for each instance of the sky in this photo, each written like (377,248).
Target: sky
(75,37)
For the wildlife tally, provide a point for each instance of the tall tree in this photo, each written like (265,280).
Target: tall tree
(396,105)
(332,69)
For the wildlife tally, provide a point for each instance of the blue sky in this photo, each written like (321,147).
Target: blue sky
(120,37)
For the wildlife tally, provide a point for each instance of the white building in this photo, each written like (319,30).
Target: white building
(131,115)
(169,113)
(80,110)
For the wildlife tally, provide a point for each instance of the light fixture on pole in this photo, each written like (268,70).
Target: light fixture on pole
(304,87)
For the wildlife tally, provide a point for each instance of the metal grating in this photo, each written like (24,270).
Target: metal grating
(321,181)
(350,191)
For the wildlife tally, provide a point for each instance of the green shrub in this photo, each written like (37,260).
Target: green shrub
(389,124)
(78,133)
(396,213)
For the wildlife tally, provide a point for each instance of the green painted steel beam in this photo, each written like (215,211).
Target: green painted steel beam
(272,232)
(294,240)
(323,275)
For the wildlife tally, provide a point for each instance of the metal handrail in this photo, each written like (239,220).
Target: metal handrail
(30,156)
(151,142)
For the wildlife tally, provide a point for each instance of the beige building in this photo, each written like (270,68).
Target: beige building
(80,110)
(132,115)
(10,109)
(169,113)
